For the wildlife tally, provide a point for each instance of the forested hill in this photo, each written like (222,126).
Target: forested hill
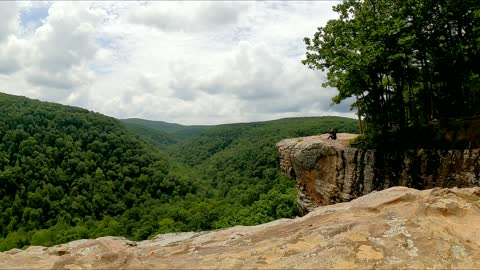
(240,164)
(194,145)
(251,138)
(162,133)
(67,173)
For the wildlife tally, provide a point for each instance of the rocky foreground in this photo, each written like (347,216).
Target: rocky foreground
(395,228)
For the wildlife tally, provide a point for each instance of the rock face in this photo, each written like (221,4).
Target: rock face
(329,171)
(394,228)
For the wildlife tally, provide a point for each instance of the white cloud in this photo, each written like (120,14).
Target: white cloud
(251,72)
(63,47)
(10,46)
(11,53)
(188,16)
(10,23)
(186,62)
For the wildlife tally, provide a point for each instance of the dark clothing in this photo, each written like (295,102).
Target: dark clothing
(333,134)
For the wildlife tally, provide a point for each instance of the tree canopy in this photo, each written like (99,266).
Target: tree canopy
(407,61)
(67,173)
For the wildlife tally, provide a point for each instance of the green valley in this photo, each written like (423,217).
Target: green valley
(67,173)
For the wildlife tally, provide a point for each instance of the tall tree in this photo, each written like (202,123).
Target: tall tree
(408,62)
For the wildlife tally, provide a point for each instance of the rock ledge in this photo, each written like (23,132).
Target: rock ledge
(394,228)
(329,171)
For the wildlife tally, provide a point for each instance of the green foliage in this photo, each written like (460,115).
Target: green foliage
(62,166)
(163,133)
(239,165)
(407,62)
(256,141)
(67,173)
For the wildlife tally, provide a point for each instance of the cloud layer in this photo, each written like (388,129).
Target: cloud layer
(186,62)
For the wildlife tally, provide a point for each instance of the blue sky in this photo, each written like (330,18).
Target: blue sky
(32,17)
(185,62)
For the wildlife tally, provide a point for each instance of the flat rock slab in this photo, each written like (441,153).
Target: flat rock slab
(394,228)
(343,139)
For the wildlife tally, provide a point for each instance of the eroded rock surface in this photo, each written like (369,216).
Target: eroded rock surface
(395,228)
(329,171)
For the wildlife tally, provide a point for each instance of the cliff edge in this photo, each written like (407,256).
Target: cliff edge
(394,228)
(329,171)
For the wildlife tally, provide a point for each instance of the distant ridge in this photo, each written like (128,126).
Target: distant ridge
(67,173)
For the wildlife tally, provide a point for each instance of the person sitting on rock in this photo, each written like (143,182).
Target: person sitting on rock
(333,134)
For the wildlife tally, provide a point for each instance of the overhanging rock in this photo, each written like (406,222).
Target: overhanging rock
(330,171)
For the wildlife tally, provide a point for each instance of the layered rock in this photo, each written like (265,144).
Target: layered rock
(329,171)
(395,228)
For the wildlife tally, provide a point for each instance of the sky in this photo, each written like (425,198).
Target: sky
(181,62)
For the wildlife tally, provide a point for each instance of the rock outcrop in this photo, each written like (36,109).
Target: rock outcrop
(394,228)
(330,171)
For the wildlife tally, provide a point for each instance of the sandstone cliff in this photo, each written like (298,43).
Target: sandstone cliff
(395,228)
(329,171)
